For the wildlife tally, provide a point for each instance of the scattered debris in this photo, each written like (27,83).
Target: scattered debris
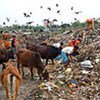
(79,81)
(86,64)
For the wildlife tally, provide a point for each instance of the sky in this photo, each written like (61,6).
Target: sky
(14,10)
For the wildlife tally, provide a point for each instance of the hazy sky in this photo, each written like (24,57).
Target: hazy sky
(14,9)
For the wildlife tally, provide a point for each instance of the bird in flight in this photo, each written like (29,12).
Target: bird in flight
(29,23)
(7,19)
(71,8)
(26,15)
(41,7)
(55,20)
(4,23)
(57,5)
(78,12)
(49,8)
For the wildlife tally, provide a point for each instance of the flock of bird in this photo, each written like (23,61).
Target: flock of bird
(27,15)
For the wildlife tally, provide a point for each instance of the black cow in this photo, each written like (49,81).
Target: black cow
(46,52)
(5,55)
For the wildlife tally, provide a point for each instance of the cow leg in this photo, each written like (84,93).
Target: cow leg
(3,67)
(7,92)
(46,61)
(52,61)
(39,73)
(22,70)
(17,88)
(18,66)
(7,89)
(31,70)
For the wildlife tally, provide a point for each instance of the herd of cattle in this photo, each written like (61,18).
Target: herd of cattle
(31,56)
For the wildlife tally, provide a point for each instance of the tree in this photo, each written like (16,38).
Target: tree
(78,24)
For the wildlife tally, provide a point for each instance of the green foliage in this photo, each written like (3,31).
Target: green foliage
(53,28)
(38,28)
(78,24)
(65,25)
(63,30)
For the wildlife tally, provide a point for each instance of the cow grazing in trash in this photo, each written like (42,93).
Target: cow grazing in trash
(32,60)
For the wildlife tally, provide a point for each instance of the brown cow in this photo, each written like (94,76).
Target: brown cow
(32,60)
(6,36)
(6,44)
(2,44)
(11,80)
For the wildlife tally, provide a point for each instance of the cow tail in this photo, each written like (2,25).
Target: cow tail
(11,86)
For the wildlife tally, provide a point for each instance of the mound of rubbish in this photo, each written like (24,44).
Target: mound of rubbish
(80,81)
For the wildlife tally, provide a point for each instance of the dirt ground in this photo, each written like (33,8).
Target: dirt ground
(30,89)
(27,86)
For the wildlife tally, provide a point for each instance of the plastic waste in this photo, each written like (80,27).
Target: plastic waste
(56,45)
(48,86)
(73,83)
(60,76)
(68,70)
(97,61)
(42,85)
(84,72)
(36,78)
(87,64)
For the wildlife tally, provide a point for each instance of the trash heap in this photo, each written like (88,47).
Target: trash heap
(81,80)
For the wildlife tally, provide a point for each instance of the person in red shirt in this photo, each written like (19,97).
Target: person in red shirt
(74,43)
